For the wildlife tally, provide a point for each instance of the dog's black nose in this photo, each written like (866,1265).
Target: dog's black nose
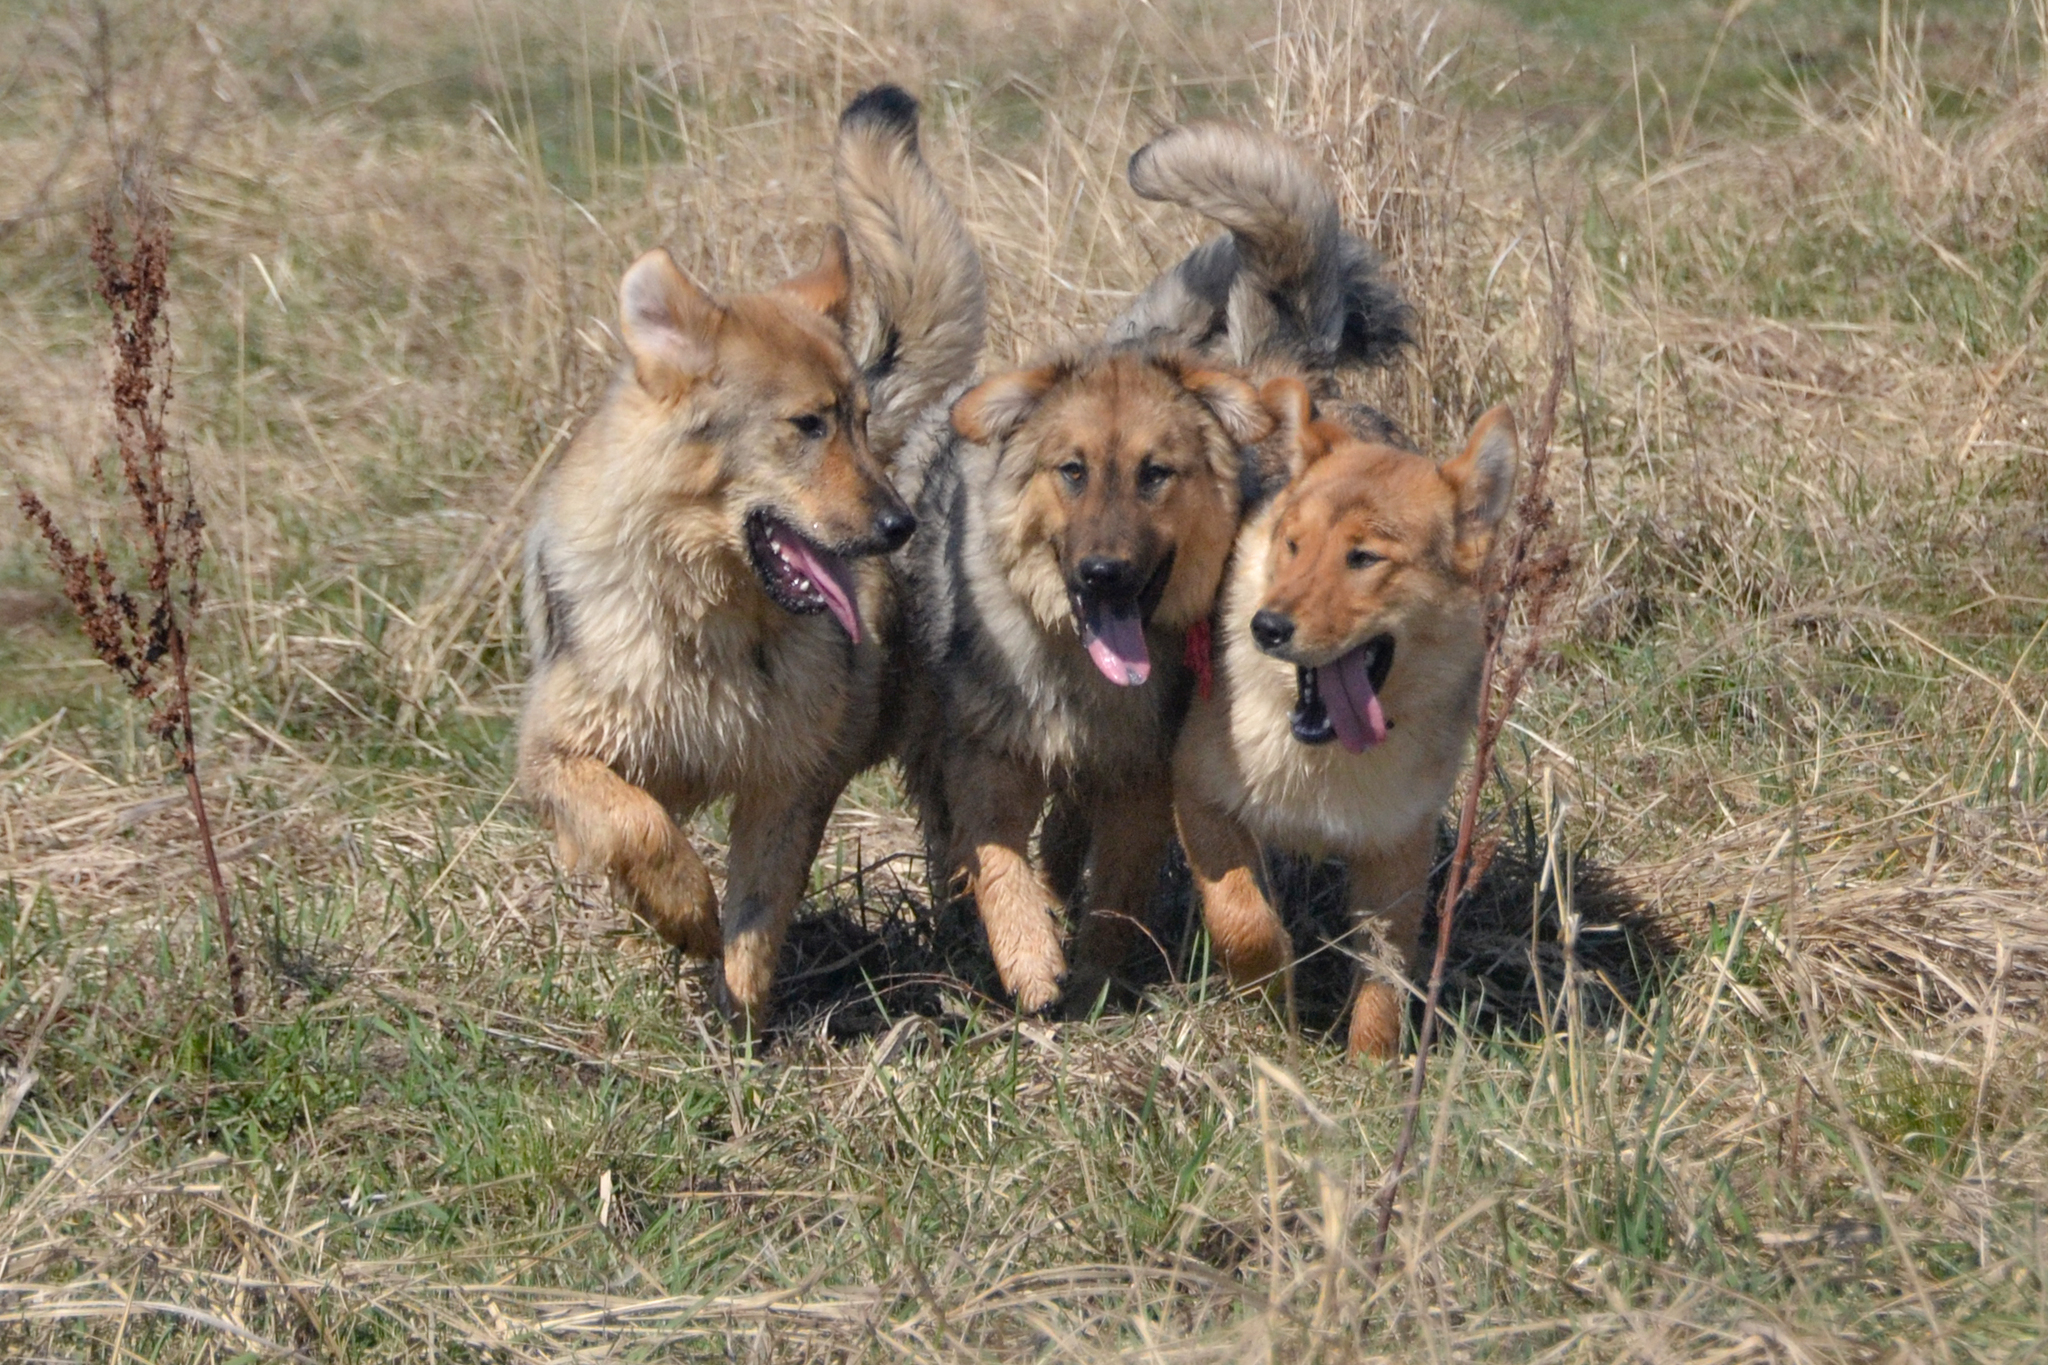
(893,526)
(1101,576)
(1271,630)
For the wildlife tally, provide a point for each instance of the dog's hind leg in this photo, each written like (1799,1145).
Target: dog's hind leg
(1244,932)
(602,822)
(774,840)
(994,804)
(1387,894)
(1130,830)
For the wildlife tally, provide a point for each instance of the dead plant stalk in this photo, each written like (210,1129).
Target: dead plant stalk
(147,641)
(1531,570)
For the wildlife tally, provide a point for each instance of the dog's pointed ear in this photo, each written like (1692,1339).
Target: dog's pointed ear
(826,287)
(987,413)
(1234,403)
(1286,398)
(1482,478)
(670,325)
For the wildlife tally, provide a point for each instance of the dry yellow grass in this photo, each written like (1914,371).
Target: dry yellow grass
(1796,733)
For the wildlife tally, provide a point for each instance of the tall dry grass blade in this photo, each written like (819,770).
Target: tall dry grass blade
(1528,576)
(135,636)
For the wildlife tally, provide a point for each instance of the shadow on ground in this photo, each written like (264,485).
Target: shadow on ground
(1509,967)
(870,948)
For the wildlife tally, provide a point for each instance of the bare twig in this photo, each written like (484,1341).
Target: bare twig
(144,638)
(1531,570)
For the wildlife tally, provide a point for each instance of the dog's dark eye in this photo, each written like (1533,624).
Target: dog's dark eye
(810,426)
(1074,472)
(1292,548)
(1152,477)
(1361,558)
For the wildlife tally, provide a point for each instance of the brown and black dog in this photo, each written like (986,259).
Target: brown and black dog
(705,600)
(1076,524)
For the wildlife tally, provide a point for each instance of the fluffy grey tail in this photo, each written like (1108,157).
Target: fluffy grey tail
(926,274)
(1287,283)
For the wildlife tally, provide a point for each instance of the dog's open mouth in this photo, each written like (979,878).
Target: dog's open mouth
(801,575)
(1114,635)
(1113,632)
(1341,699)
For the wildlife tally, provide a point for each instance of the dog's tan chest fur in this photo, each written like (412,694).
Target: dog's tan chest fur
(1239,752)
(682,674)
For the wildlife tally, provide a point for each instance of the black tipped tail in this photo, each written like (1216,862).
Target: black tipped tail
(923,269)
(886,107)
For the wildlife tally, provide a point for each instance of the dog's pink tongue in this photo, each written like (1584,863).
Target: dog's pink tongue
(1116,642)
(832,577)
(1354,707)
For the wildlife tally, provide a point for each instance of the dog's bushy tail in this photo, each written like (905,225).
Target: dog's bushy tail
(930,305)
(1287,284)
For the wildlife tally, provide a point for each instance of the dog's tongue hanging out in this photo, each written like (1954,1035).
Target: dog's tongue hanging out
(1354,707)
(1116,642)
(828,574)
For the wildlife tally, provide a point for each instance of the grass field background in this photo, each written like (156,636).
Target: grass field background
(1750,1060)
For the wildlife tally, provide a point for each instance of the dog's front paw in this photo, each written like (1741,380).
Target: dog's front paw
(743,1020)
(1376,1021)
(696,935)
(682,910)
(1256,954)
(745,978)
(1032,964)
(1038,996)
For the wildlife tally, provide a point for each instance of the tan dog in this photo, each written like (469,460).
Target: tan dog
(706,615)
(1075,528)
(1353,615)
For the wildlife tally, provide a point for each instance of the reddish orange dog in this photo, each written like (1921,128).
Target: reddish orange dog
(1350,640)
